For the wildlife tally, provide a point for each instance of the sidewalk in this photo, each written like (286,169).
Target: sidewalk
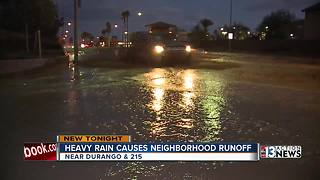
(19,65)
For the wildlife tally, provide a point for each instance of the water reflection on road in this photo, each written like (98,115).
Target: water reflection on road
(186,105)
(153,105)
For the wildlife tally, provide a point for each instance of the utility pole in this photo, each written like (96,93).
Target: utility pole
(27,38)
(230,24)
(39,43)
(127,39)
(75,30)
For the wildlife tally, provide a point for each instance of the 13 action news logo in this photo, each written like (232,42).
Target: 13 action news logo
(280,151)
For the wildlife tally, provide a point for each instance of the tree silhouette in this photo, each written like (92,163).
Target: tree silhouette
(206,23)
(278,25)
(108,28)
(108,31)
(87,36)
(198,36)
(240,31)
(16,15)
(103,32)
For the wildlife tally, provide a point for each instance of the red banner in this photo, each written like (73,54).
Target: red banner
(40,151)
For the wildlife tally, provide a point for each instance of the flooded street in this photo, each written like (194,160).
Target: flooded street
(276,104)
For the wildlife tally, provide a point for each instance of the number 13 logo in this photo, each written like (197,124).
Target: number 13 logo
(270,152)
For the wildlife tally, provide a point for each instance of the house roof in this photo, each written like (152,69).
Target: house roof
(313,8)
(160,25)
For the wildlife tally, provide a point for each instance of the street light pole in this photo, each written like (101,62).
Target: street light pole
(230,24)
(75,30)
(39,44)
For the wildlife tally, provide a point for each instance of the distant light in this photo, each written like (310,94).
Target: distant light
(65,36)
(170,32)
(249,32)
(98,37)
(234,27)
(207,35)
(291,35)
(126,32)
(221,29)
(140,14)
(150,32)
(67,31)
(224,32)
(230,35)
(267,27)
(82,45)
(116,25)
(69,23)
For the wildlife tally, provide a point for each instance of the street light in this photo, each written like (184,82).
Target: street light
(230,36)
(291,35)
(230,23)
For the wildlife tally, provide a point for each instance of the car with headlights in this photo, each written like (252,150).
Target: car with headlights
(172,52)
(161,51)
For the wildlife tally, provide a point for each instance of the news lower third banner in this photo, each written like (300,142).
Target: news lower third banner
(157,152)
(120,148)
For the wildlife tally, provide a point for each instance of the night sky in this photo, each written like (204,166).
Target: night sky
(184,13)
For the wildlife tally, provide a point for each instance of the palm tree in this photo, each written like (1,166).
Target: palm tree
(108,31)
(205,24)
(103,37)
(125,17)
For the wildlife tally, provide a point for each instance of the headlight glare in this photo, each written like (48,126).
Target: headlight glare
(188,48)
(158,49)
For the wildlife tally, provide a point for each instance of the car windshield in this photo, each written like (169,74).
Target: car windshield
(175,44)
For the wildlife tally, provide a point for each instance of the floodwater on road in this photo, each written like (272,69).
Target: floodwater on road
(160,105)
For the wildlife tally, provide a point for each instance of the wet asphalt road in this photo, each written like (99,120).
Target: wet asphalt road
(161,105)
